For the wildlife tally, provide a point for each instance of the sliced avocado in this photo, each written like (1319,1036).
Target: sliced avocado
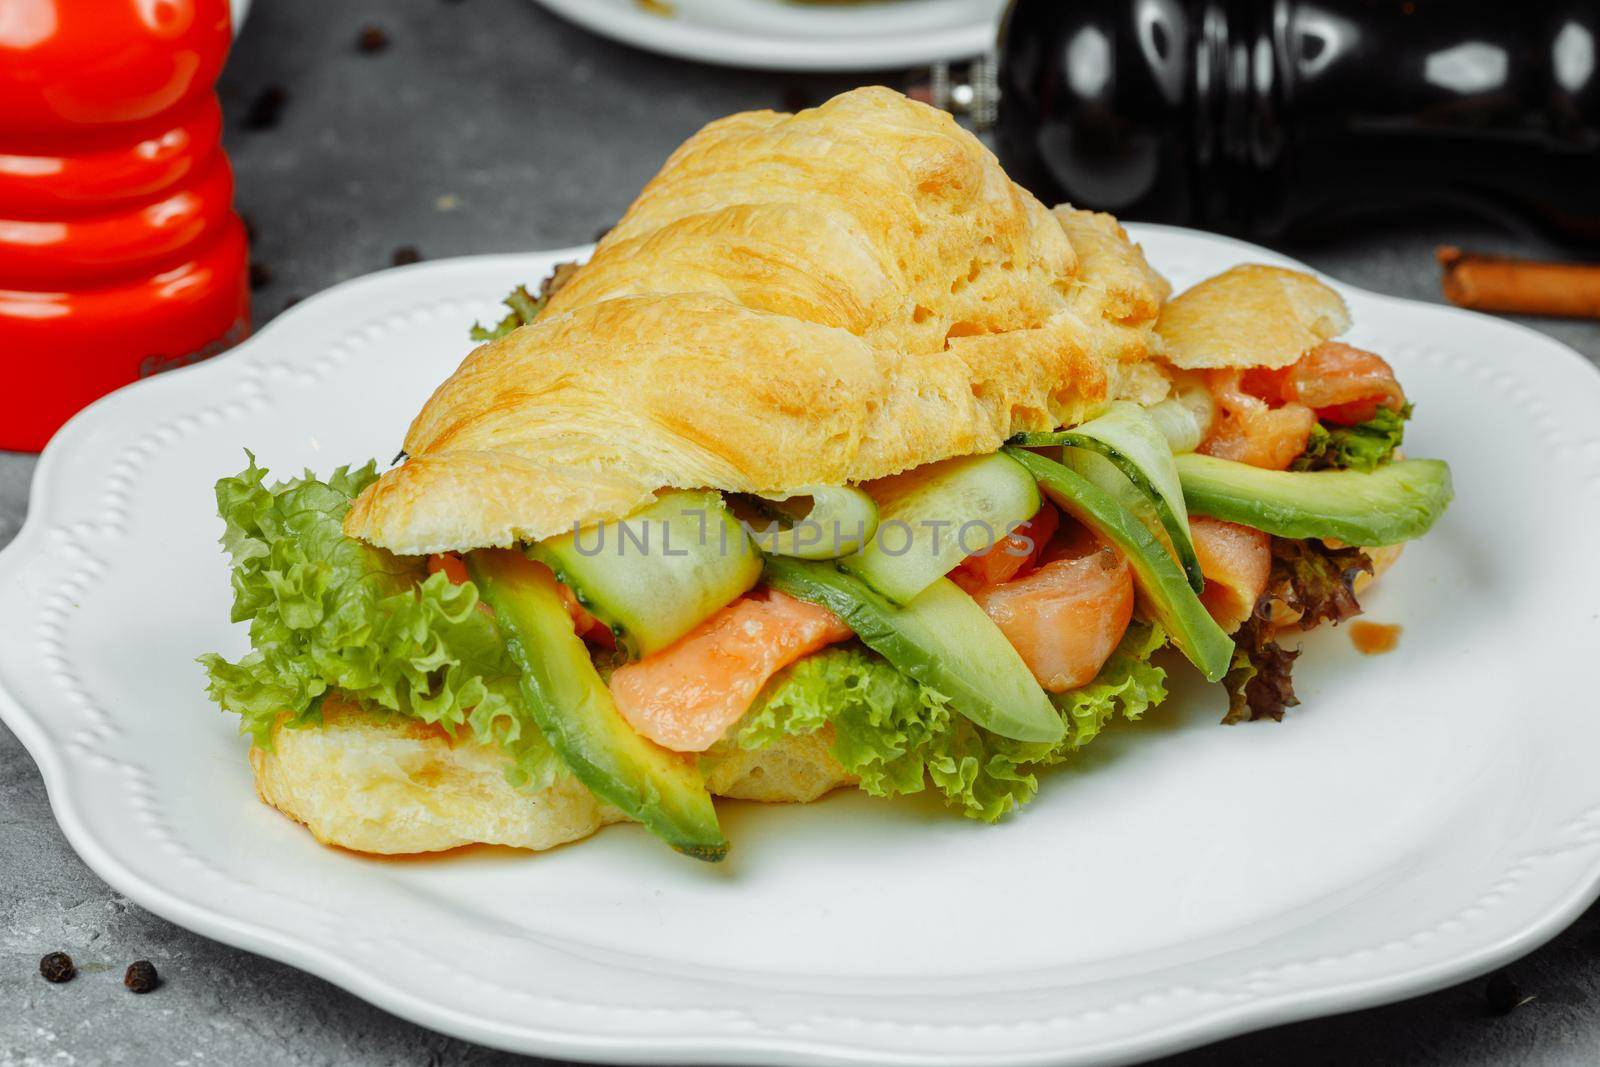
(1164,589)
(1397,502)
(657,574)
(942,638)
(1126,440)
(575,712)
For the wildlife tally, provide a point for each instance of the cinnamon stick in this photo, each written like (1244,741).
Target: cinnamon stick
(1520,286)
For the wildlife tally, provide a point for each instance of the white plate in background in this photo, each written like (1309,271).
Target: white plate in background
(1423,817)
(783,35)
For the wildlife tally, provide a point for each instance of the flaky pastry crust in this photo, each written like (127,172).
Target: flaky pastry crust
(1250,316)
(794,300)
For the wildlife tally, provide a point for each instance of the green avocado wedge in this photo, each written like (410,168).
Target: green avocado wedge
(574,710)
(1397,502)
(942,638)
(1161,582)
(1127,437)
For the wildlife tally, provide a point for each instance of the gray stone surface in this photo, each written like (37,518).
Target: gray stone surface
(490,126)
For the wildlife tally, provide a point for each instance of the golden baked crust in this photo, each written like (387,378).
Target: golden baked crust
(793,300)
(397,786)
(795,770)
(1250,316)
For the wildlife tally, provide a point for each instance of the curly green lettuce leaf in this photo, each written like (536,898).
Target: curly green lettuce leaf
(1128,685)
(330,613)
(1365,446)
(884,721)
(525,306)
(898,736)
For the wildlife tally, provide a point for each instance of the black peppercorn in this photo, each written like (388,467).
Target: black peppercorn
(57,967)
(260,275)
(372,40)
(266,108)
(406,254)
(141,976)
(1503,994)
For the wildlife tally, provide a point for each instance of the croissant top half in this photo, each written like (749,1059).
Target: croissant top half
(794,300)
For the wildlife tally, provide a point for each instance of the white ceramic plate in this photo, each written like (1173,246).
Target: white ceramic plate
(780,35)
(1424,816)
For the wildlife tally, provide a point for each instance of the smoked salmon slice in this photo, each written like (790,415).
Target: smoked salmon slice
(1343,384)
(1251,430)
(1065,618)
(1268,415)
(687,695)
(1236,562)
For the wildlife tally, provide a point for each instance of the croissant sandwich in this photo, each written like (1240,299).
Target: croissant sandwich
(842,462)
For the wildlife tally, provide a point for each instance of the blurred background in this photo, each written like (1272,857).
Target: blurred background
(365,135)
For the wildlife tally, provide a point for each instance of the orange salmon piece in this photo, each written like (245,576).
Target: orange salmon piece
(1250,430)
(1343,384)
(687,695)
(1065,618)
(1235,561)
(1009,556)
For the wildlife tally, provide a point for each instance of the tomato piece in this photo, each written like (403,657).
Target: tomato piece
(1065,618)
(1236,562)
(1011,555)
(585,625)
(451,565)
(687,695)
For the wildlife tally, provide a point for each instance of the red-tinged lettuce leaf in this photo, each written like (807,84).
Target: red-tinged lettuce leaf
(1260,683)
(1317,582)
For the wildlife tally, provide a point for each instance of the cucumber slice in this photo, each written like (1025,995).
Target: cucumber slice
(659,573)
(1161,584)
(942,638)
(575,712)
(837,521)
(1128,437)
(1397,502)
(931,518)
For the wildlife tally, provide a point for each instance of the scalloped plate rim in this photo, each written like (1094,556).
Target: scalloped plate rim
(277,943)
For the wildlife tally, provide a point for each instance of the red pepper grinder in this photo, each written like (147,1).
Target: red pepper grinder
(120,252)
